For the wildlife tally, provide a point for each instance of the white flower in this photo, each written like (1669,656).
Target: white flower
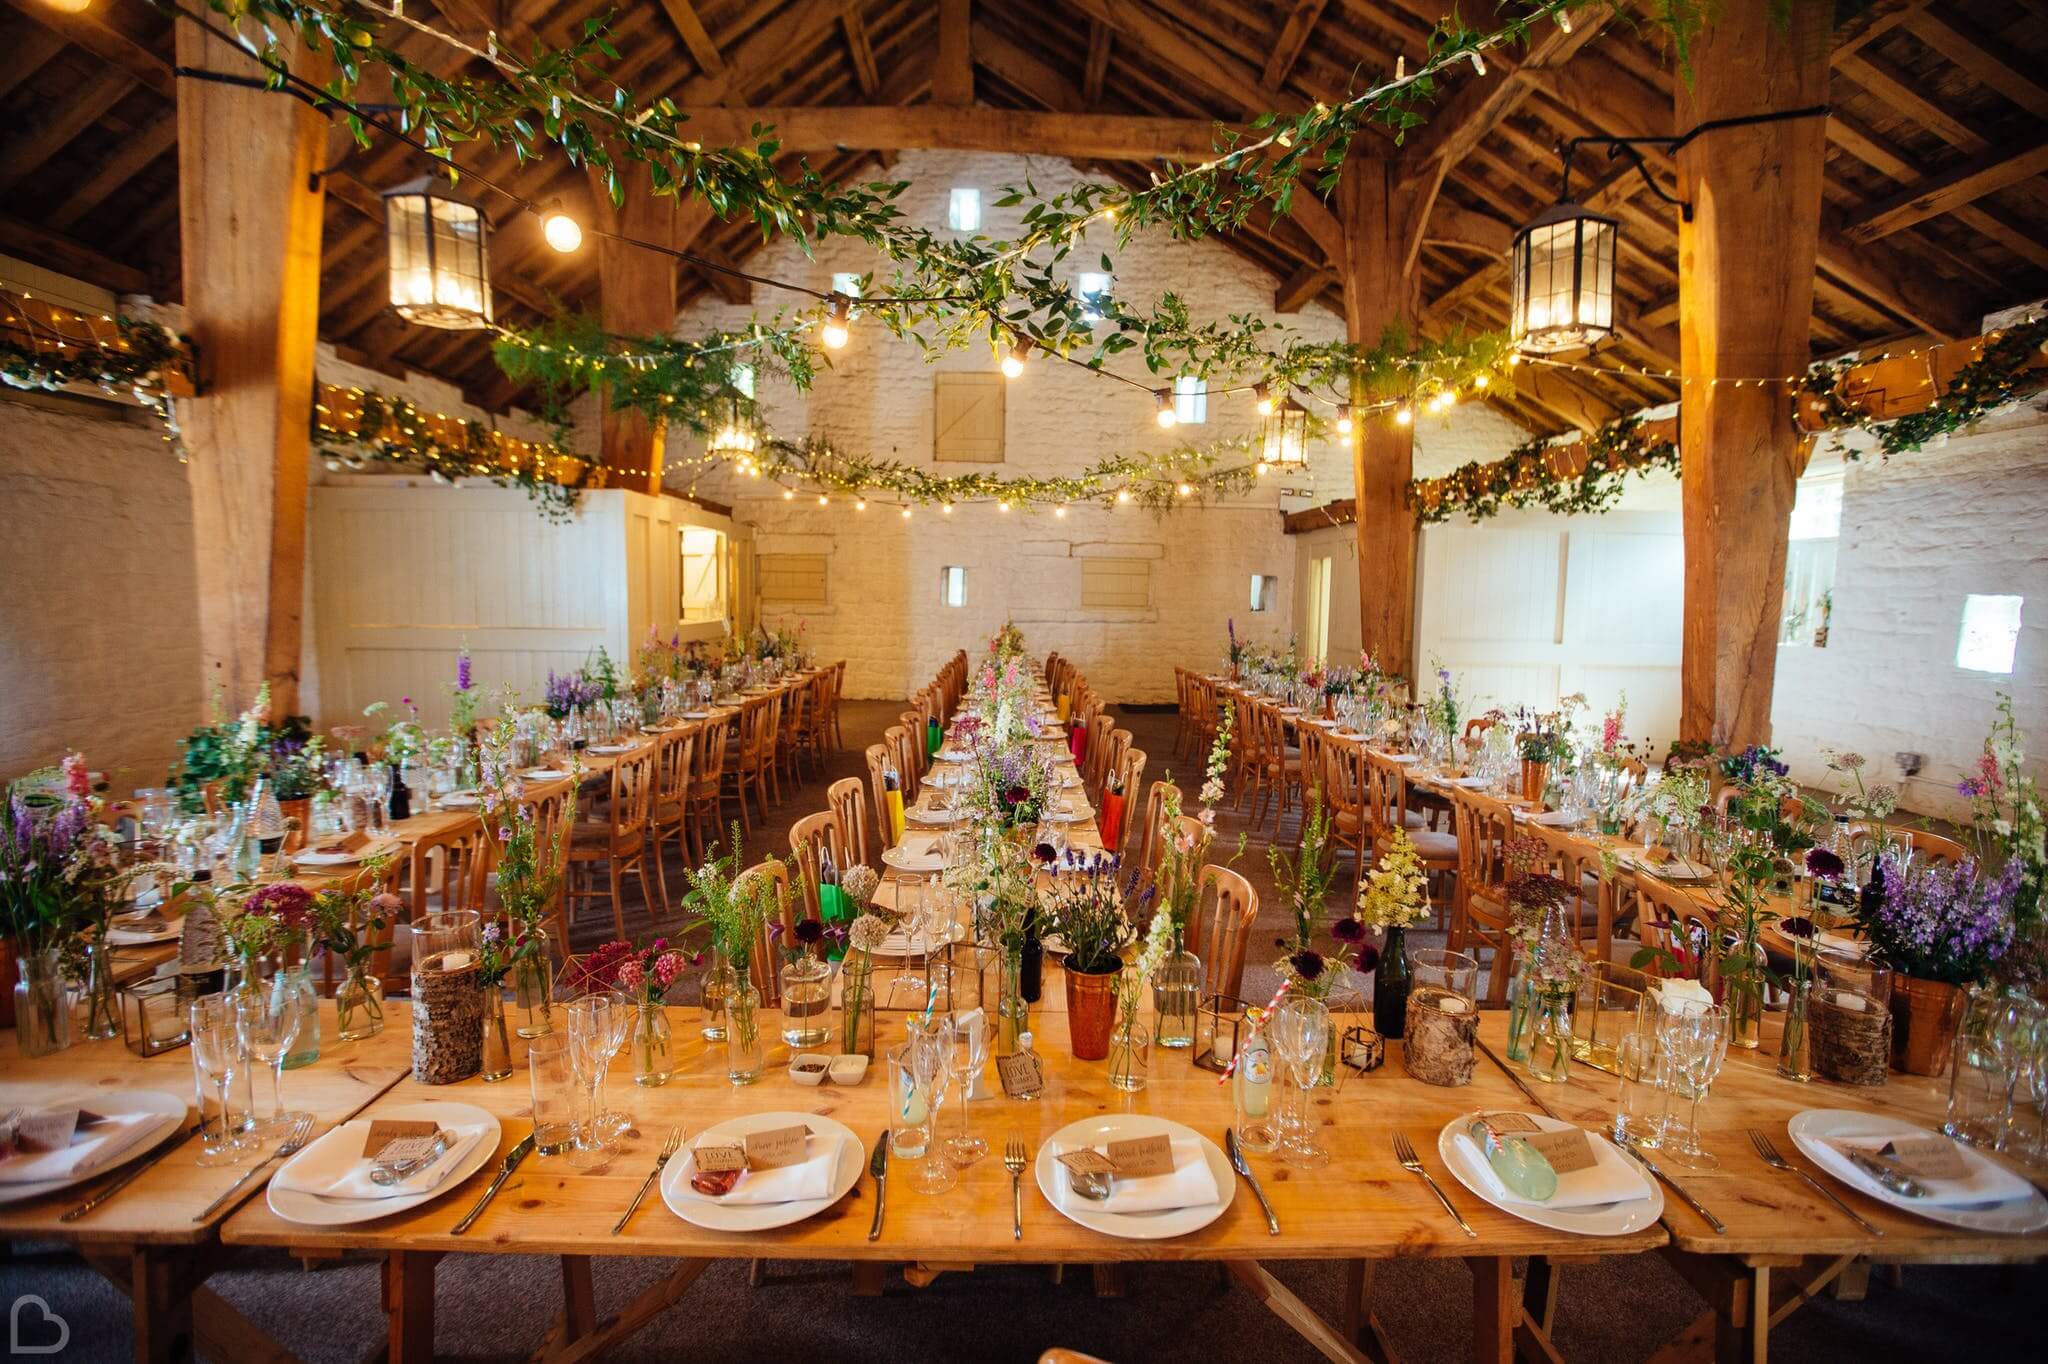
(867,933)
(1683,997)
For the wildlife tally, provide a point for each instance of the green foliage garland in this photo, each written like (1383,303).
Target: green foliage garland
(1529,476)
(393,431)
(134,363)
(1994,379)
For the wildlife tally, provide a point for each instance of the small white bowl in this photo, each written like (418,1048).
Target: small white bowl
(850,1069)
(815,1076)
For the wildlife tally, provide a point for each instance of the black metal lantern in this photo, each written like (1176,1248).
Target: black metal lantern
(1285,435)
(440,256)
(1563,265)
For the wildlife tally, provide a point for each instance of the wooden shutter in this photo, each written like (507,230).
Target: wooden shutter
(1116,583)
(968,418)
(793,579)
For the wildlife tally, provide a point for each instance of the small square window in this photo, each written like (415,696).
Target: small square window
(953,585)
(743,379)
(846,282)
(1190,399)
(1091,285)
(1990,633)
(1265,591)
(963,212)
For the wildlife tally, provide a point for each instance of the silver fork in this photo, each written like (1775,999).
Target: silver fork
(1013,1161)
(1771,1158)
(1404,1151)
(290,1146)
(668,1148)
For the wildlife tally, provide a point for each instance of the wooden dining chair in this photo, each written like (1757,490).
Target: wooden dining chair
(789,738)
(749,761)
(1344,797)
(618,840)
(878,790)
(913,755)
(1479,913)
(1220,931)
(710,743)
(1673,920)
(1277,772)
(1576,862)
(447,870)
(668,813)
(898,741)
(1152,838)
(333,969)
(771,744)
(838,691)
(849,805)
(1246,752)
(1202,717)
(550,812)
(812,840)
(762,971)
(1100,726)
(1119,744)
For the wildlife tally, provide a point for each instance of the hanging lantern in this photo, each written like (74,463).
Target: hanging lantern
(1563,264)
(735,437)
(440,261)
(1285,435)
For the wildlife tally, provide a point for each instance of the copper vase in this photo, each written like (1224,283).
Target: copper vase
(1925,1014)
(1535,776)
(1091,1012)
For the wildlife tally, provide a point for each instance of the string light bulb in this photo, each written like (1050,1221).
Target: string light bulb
(906,513)
(563,232)
(1060,510)
(1403,415)
(1003,505)
(824,501)
(861,504)
(1344,422)
(1479,381)
(1186,490)
(1564,21)
(838,315)
(1262,394)
(1166,415)
(1013,363)
(946,507)
(1123,494)
(788,494)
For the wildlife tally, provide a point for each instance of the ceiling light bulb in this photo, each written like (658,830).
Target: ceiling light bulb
(1167,416)
(1450,399)
(1059,510)
(563,232)
(1261,468)
(1003,505)
(1186,489)
(1344,418)
(838,310)
(1123,494)
(788,493)
(861,505)
(946,507)
(1403,415)
(1013,363)
(906,513)
(1264,397)
(824,500)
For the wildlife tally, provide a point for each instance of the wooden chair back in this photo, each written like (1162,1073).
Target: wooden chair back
(1670,918)
(850,809)
(811,841)
(1221,930)
(878,789)
(672,768)
(899,743)
(1386,793)
(1152,838)
(1130,777)
(632,796)
(1577,863)
(761,968)
(448,870)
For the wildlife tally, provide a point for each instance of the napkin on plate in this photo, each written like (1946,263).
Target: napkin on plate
(335,1167)
(811,1177)
(1612,1178)
(918,852)
(1986,1182)
(1191,1185)
(115,1135)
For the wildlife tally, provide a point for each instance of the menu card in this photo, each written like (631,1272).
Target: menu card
(383,1133)
(718,1159)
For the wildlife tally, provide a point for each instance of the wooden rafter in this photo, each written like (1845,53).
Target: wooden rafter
(1978,53)
(1181,48)
(1127,137)
(1096,67)
(683,15)
(1294,35)
(953,59)
(1950,190)
(863,53)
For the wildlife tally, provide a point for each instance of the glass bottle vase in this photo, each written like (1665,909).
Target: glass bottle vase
(359,1006)
(744,1052)
(1390,985)
(42,1009)
(1550,1042)
(857,1007)
(654,1055)
(97,1000)
(1013,1011)
(1176,998)
(1745,994)
(1795,1047)
(497,1051)
(1130,1057)
(806,1001)
(533,988)
(1520,998)
(296,983)
(719,980)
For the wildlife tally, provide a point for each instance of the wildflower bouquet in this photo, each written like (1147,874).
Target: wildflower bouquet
(1444,708)
(568,693)
(59,876)
(1396,892)
(1093,912)
(1860,800)
(1944,922)
(1305,880)
(2006,817)
(403,739)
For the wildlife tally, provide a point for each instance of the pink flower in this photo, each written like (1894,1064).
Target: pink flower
(387,903)
(629,976)
(667,967)
(77,780)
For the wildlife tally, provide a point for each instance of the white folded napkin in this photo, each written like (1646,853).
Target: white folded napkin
(334,1166)
(917,852)
(1612,1178)
(1986,1181)
(810,1178)
(1191,1185)
(92,1148)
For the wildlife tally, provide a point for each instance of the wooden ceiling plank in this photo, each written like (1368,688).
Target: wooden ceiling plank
(126,162)
(1892,282)
(683,15)
(1899,89)
(863,52)
(29,46)
(1302,287)
(1100,39)
(56,251)
(89,31)
(1294,35)
(1010,61)
(1861,142)
(1871,22)
(1953,188)
(1977,52)
(770,48)
(808,128)
(1224,73)
(953,58)
(28,149)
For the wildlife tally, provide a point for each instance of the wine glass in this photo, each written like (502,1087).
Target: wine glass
(591,1047)
(216,1063)
(931,1050)
(1695,1045)
(964,1061)
(1301,1033)
(267,1023)
(613,1122)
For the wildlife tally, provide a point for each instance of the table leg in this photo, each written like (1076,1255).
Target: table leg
(1361,1327)
(1495,1309)
(160,1294)
(579,1298)
(1255,1279)
(409,1305)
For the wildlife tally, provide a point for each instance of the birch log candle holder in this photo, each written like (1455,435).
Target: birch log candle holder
(1442,1026)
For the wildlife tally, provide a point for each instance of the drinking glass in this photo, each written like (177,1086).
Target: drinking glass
(1694,1046)
(1456,972)
(910,1117)
(592,1043)
(931,1051)
(218,1066)
(267,1022)
(551,1069)
(1301,1032)
(965,1059)
(1641,1100)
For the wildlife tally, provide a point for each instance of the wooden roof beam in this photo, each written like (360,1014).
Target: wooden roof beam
(67,256)
(1892,281)
(1096,67)
(1867,146)
(953,58)
(1173,43)
(1978,53)
(1951,189)
(29,147)
(1015,65)
(1302,287)
(682,15)
(29,46)
(1294,35)
(127,161)
(88,30)
(1902,91)
(808,128)
(863,53)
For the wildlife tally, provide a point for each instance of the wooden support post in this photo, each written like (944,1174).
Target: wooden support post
(1495,1309)
(1379,220)
(1745,294)
(250,215)
(636,297)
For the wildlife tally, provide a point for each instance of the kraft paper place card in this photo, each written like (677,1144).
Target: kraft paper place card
(777,1147)
(1512,1124)
(1567,1149)
(1021,1074)
(1926,1157)
(383,1133)
(51,1129)
(720,1158)
(1142,1156)
(1086,1162)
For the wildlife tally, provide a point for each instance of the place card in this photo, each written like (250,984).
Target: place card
(1021,1074)
(1511,1124)
(1142,1156)
(383,1133)
(1925,1157)
(348,843)
(720,1159)
(407,1150)
(1086,1163)
(777,1147)
(1567,1149)
(49,1130)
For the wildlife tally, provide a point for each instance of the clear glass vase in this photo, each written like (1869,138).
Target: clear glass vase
(96,1003)
(654,1053)
(857,1007)
(806,1001)
(1176,998)
(497,1052)
(1745,994)
(1013,1011)
(719,980)
(42,1007)
(1130,1057)
(1520,997)
(359,1006)
(1795,1047)
(533,988)
(296,983)
(1550,1041)
(744,1052)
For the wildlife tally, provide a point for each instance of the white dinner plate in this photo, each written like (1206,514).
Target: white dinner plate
(953,755)
(311,1210)
(918,814)
(1813,1130)
(1326,724)
(1553,819)
(699,1212)
(1134,1226)
(117,936)
(901,944)
(696,715)
(313,857)
(461,800)
(609,749)
(1598,1219)
(170,1111)
(902,858)
(542,774)
(1404,759)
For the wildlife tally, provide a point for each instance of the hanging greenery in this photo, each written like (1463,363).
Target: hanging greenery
(2008,363)
(1541,474)
(355,427)
(136,361)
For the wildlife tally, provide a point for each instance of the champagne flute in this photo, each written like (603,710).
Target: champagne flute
(267,1023)
(1696,1044)
(216,1062)
(591,1048)
(1301,1032)
(965,1059)
(931,1047)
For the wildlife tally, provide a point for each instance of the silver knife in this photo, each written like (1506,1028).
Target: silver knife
(878,1166)
(505,1169)
(135,1172)
(1688,1199)
(1243,1167)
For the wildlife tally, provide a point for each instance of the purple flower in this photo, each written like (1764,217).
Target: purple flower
(1308,964)
(462,671)
(1348,931)
(1822,863)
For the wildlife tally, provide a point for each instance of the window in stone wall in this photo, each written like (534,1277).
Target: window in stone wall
(1116,584)
(1810,559)
(1990,633)
(1190,399)
(703,574)
(963,209)
(1091,285)
(967,417)
(953,585)
(793,579)
(1265,591)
